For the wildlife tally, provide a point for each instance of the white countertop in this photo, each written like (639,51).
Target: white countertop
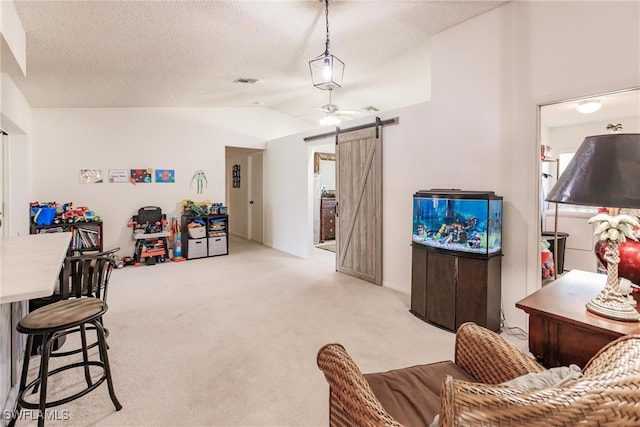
(30,265)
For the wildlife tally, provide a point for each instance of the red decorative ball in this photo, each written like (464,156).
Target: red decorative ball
(629,266)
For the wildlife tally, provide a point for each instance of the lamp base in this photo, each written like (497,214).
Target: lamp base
(613,309)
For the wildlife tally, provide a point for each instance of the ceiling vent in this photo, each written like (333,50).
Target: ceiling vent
(245,81)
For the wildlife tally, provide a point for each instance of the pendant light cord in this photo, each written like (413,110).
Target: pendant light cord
(326,18)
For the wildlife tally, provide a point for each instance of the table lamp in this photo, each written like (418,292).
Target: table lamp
(605,172)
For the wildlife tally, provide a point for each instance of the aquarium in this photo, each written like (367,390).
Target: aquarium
(468,222)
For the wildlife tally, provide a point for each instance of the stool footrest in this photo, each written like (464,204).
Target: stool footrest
(36,382)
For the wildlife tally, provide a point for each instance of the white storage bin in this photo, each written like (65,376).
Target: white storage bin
(196,248)
(197,232)
(217,245)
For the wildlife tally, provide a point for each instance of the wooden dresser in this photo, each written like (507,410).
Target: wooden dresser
(327,218)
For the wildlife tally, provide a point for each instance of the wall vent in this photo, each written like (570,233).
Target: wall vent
(246,81)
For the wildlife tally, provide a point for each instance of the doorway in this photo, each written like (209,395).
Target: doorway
(562,129)
(244,192)
(324,197)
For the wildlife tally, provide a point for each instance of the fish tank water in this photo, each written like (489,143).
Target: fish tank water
(467,222)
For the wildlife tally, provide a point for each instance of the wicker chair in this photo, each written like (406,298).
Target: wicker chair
(606,395)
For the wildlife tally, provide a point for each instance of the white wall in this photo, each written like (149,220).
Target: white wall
(479,131)
(13,36)
(15,119)
(288,191)
(66,140)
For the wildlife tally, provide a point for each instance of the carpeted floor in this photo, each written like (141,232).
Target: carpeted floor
(327,246)
(232,341)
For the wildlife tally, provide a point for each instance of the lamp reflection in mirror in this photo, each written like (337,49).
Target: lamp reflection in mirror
(605,172)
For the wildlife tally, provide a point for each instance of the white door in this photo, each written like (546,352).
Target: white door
(255,197)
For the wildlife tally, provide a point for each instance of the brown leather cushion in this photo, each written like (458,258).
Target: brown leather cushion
(62,313)
(412,395)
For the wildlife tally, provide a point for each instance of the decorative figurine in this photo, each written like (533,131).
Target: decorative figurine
(200,180)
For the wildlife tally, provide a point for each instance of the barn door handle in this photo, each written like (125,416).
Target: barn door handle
(336,209)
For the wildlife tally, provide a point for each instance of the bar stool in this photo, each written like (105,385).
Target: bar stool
(86,275)
(58,320)
(80,276)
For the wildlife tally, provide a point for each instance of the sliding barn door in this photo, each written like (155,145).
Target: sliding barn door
(359,210)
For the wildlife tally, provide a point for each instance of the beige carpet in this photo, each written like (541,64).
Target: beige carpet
(327,246)
(232,341)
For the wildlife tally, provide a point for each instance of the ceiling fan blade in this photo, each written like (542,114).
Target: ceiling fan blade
(318,114)
(348,112)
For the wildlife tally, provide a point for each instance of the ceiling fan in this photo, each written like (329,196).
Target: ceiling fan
(333,115)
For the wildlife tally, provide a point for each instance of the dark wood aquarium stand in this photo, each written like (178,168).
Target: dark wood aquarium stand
(450,289)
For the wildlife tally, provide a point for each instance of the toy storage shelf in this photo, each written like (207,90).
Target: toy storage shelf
(213,241)
(87,235)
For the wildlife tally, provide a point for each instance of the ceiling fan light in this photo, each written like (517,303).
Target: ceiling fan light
(588,107)
(329,120)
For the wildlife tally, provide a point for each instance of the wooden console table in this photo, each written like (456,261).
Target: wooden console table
(561,330)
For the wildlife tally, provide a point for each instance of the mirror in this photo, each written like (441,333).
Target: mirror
(562,130)
(324,166)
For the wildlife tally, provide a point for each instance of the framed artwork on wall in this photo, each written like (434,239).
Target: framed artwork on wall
(118,175)
(140,175)
(235,176)
(90,176)
(165,175)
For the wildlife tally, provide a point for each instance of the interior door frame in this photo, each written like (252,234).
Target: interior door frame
(4,183)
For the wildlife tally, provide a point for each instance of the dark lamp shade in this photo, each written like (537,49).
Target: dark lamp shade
(605,171)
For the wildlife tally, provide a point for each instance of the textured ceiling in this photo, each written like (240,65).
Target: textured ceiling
(188,53)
